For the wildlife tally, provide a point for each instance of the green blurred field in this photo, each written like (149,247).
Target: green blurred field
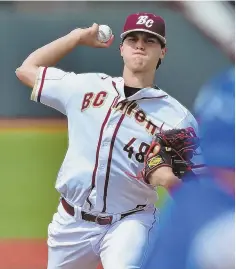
(29,162)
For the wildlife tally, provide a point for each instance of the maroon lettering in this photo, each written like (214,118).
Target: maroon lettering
(140,116)
(87,100)
(131,109)
(151,128)
(99,100)
(122,106)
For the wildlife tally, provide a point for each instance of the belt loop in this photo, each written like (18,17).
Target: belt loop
(116,217)
(78,214)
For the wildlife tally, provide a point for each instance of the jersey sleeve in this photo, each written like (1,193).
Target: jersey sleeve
(198,161)
(54,87)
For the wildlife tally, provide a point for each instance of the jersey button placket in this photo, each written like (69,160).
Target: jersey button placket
(102,166)
(103,159)
(104,153)
(106,144)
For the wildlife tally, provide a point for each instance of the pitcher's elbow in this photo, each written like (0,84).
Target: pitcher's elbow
(19,73)
(26,75)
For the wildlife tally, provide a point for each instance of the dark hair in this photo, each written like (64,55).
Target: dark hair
(162,46)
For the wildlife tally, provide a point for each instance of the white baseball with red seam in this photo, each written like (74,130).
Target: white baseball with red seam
(104,33)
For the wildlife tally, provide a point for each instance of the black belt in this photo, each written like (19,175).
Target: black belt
(102,220)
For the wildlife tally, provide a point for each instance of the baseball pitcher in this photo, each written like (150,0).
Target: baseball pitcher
(126,138)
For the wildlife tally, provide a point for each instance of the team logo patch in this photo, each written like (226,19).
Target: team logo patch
(154,161)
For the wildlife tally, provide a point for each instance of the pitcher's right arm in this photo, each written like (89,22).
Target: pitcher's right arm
(52,53)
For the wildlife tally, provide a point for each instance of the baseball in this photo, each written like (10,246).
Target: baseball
(104,33)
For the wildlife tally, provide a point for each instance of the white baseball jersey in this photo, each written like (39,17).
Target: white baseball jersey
(109,136)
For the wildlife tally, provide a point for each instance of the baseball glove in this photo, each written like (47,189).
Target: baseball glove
(177,147)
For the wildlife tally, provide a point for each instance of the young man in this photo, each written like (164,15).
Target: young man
(105,212)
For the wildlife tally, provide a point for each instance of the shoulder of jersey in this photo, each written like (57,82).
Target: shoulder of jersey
(175,103)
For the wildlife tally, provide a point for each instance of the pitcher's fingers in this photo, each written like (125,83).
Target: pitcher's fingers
(150,155)
(156,149)
(95,27)
(108,43)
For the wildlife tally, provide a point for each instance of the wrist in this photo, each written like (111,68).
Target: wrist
(163,176)
(74,38)
(173,183)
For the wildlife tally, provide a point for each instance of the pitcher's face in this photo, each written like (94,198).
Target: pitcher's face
(141,51)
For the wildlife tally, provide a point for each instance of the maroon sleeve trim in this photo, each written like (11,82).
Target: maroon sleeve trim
(41,84)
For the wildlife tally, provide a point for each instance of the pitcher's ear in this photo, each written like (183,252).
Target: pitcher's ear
(163,52)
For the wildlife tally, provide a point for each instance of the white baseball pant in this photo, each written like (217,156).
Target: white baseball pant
(77,244)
